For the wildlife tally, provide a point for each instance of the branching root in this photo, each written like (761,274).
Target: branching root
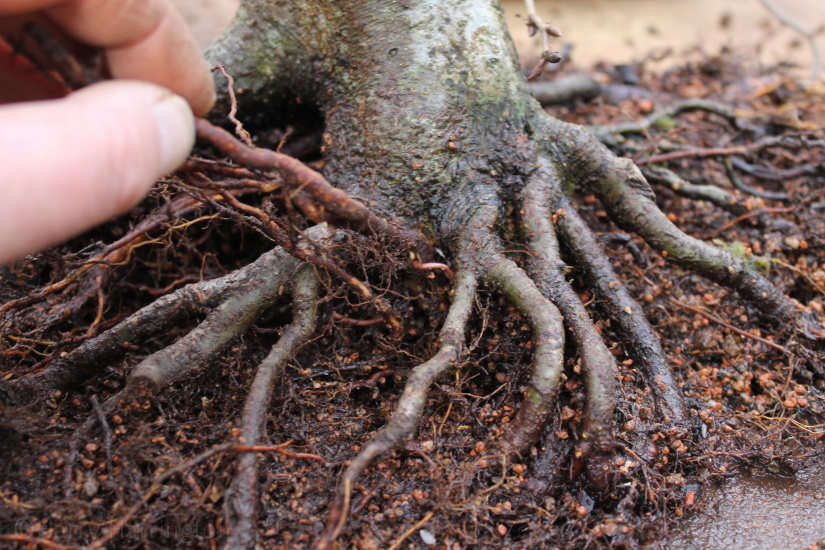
(629,202)
(237,310)
(242,497)
(597,363)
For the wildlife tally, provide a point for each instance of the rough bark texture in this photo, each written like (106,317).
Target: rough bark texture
(425,110)
(429,121)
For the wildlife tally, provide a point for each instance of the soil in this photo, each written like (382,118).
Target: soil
(754,406)
(668,32)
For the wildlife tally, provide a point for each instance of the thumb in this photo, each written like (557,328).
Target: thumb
(69,164)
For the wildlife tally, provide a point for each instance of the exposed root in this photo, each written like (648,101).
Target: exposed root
(611,135)
(104,428)
(408,412)
(157,484)
(629,202)
(565,89)
(238,309)
(548,351)
(730,162)
(241,505)
(163,314)
(95,354)
(710,193)
(598,364)
(329,204)
(310,253)
(774,174)
(622,309)
(71,457)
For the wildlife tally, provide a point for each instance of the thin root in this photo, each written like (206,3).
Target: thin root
(408,412)
(242,497)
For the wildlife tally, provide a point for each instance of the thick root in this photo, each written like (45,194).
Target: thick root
(161,315)
(548,351)
(623,310)
(629,202)
(230,319)
(598,364)
(613,134)
(266,273)
(241,507)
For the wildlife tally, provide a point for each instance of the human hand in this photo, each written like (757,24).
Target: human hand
(68,164)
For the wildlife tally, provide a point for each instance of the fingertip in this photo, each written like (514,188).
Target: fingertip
(176,130)
(144,129)
(206,95)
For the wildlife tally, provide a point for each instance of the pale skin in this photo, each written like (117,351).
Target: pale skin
(70,163)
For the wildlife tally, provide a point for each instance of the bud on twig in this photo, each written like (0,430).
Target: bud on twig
(551,56)
(553,30)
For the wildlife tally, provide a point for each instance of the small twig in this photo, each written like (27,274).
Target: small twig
(791,366)
(365,499)
(233,110)
(101,303)
(727,325)
(412,530)
(104,427)
(744,217)
(357,322)
(435,265)
(71,457)
(785,20)
(276,449)
(705,152)
(372,380)
(536,24)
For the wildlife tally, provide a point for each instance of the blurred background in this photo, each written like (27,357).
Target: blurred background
(664,32)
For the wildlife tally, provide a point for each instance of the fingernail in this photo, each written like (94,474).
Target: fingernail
(176,127)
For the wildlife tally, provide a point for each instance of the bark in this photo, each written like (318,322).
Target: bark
(424,105)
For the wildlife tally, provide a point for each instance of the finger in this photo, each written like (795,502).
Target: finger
(72,163)
(143,39)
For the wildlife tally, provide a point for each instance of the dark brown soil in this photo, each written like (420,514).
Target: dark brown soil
(753,405)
